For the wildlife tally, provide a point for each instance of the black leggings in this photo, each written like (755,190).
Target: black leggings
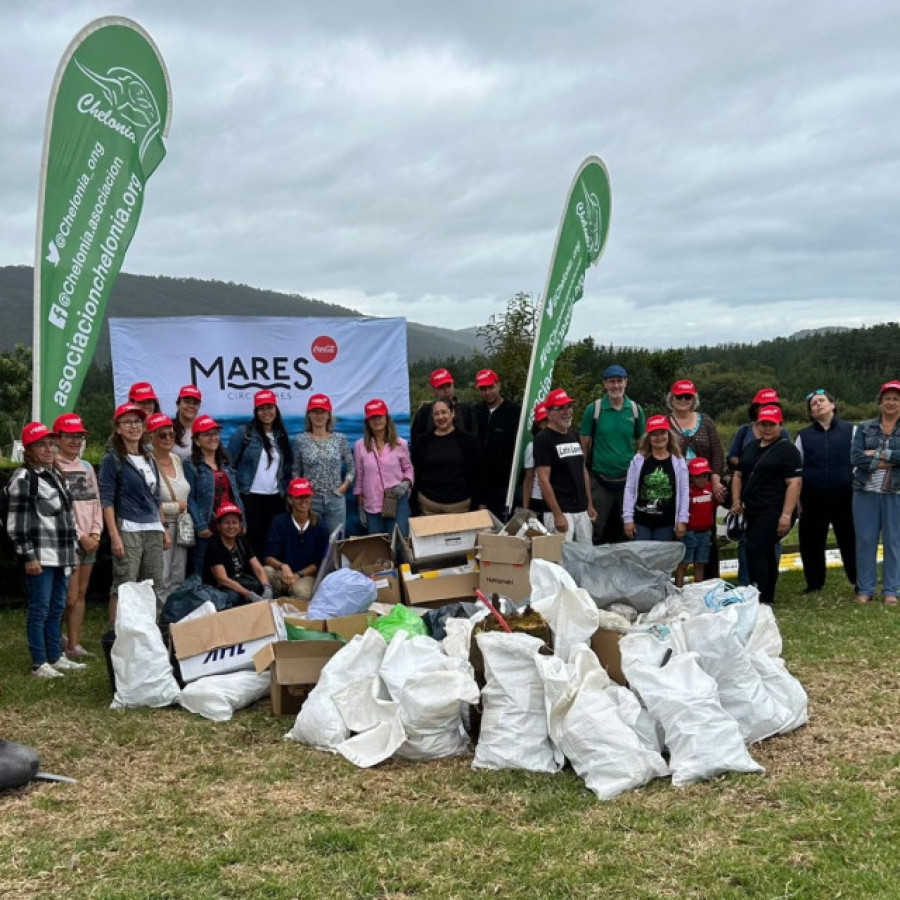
(762,539)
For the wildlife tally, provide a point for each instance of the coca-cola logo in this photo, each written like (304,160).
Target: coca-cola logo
(324,349)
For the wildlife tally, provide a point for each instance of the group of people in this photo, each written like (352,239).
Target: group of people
(662,478)
(255,519)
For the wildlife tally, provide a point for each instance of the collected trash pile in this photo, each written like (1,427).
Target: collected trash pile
(698,674)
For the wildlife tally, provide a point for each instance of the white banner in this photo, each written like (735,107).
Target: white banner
(231,358)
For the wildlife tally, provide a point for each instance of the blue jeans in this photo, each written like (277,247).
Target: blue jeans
(646,533)
(877,514)
(331,509)
(46,595)
(378,524)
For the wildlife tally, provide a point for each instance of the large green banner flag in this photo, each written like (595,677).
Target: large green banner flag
(108,114)
(579,243)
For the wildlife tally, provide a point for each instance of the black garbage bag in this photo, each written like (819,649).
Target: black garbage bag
(18,764)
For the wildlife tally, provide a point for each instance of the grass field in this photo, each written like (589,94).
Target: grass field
(168,805)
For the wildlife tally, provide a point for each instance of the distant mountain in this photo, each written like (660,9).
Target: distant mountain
(137,296)
(826,329)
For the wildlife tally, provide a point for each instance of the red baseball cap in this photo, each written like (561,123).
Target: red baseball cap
(300,487)
(441,376)
(190,390)
(558,397)
(319,401)
(770,414)
(157,421)
(228,509)
(126,408)
(485,378)
(766,395)
(263,398)
(69,423)
(889,386)
(376,408)
(141,391)
(202,424)
(699,466)
(657,423)
(34,432)
(683,387)
(540,412)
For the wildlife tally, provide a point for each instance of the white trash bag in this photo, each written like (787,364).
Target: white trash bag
(786,689)
(319,723)
(140,660)
(587,717)
(373,720)
(514,721)
(216,697)
(703,740)
(572,616)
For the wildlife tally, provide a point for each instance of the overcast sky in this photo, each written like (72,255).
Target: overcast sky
(412,158)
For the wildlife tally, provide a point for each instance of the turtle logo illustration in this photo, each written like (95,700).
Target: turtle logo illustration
(130,99)
(591,217)
(52,256)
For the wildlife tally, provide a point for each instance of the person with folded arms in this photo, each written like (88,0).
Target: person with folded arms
(875,455)
(297,544)
(766,489)
(42,527)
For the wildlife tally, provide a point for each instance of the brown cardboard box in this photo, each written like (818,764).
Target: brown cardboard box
(222,642)
(374,555)
(504,562)
(295,666)
(447,535)
(436,583)
(345,626)
(606,645)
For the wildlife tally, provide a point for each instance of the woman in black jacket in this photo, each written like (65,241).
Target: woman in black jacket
(447,465)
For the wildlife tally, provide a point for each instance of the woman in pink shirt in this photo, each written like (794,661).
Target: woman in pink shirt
(81,480)
(382,464)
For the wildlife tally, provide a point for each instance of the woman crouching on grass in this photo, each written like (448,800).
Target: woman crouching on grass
(81,481)
(230,563)
(42,527)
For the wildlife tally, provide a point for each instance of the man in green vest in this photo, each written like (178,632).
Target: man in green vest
(610,429)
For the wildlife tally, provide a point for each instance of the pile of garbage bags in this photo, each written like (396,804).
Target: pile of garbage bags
(705,681)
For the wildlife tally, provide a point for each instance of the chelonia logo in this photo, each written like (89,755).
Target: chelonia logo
(591,218)
(132,109)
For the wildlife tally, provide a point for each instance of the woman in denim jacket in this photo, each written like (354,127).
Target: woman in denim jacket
(212,482)
(875,454)
(261,455)
(129,495)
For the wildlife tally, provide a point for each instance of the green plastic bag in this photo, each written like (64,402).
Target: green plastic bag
(400,617)
(297,633)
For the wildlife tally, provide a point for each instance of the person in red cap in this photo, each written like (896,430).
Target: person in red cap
(875,454)
(498,424)
(563,478)
(130,497)
(141,394)
(826,498)
(187,408)
(610,429)
(42,527)
(448,467)
(263,460)
(297,545)
(746,435)
(323,455)
(656,503)
(766,488)
(383,469)
(81,481)
(230,563)
(532,498)
(698,538)
(443,387)
(212,480)
(174,493)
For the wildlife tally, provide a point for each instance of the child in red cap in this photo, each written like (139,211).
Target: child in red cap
(701,521)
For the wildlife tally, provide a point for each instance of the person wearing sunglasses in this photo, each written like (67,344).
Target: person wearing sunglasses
(130,497)
(826,498)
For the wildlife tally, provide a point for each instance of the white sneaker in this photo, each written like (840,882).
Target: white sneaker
(64,664)
(45,670)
